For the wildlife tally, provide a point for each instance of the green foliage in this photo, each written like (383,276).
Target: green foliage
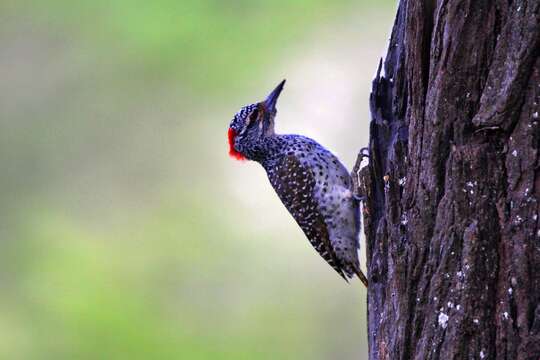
(119,235)
(208,44)
(157,290)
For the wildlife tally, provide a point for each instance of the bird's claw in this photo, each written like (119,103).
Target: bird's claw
(364,152)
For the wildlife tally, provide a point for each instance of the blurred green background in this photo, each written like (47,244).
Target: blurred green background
(126,232)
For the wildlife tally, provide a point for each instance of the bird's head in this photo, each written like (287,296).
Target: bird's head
(252,123)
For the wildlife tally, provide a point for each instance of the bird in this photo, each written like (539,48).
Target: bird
(310,181)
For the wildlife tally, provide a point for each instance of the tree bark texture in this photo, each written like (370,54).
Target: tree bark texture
(453,184)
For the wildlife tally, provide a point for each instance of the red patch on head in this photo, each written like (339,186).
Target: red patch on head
(232,152)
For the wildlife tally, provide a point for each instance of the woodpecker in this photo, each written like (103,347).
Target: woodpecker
(310,181)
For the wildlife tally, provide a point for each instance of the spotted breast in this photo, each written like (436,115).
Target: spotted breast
(316,189)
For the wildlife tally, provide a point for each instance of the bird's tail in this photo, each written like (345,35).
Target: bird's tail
(362,277)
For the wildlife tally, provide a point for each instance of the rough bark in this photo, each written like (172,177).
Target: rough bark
(453,184)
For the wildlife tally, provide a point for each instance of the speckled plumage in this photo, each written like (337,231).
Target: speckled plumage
(310,181)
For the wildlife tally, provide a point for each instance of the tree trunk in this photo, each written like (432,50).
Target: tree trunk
(453,184)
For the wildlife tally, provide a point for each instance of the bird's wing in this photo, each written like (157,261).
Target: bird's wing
(294,184)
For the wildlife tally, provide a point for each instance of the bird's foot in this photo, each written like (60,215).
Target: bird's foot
(364,152)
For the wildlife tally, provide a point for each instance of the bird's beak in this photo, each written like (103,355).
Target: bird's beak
(271,100)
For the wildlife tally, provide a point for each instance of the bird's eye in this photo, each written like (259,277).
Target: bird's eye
(254,115)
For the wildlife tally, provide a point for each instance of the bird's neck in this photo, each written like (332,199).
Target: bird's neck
(264,148)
